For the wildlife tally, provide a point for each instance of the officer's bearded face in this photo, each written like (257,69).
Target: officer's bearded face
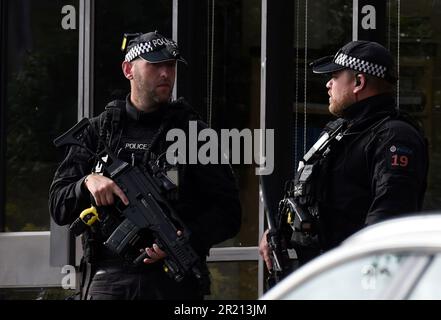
(340,91)
(153,82)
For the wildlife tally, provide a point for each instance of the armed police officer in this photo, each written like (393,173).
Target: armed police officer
(206,197)
(368,165)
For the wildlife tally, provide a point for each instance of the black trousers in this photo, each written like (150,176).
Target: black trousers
(150,283)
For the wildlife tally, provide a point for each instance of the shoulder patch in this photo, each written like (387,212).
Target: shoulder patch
(400,157)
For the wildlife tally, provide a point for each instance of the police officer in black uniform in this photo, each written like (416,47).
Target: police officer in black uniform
(135,130)
(377,168)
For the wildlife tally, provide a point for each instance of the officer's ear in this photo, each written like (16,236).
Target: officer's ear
(360,82)
(127,68)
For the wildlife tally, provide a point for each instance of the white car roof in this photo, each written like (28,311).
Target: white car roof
(419,233)
(421,225)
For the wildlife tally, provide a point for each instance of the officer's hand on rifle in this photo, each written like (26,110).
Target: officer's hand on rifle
(265,251)
(103,189)
(155,253)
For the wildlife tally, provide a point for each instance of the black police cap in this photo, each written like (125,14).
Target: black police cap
(364,56)
(152,47)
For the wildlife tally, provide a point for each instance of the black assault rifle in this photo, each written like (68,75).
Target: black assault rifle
(147,209)
(297,216)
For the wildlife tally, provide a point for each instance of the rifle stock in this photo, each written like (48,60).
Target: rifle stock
(149,209)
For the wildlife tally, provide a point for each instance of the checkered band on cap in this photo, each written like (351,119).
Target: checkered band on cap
(360,65)
(145,47)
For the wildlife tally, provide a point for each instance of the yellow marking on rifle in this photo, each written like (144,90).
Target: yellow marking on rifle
(89,216)
(289,217)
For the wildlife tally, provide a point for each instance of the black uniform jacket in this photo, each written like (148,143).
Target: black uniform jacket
(209,200)
(377,171)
